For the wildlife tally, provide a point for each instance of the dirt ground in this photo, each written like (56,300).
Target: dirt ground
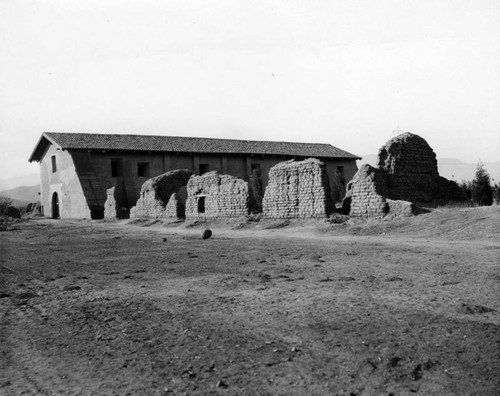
(408,306)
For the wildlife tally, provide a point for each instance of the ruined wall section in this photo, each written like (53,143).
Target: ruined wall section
(116,205)
(175,208)
(409,167)
(297,190)
(407,174)
(156,193)
(367,193)
(110,206)
(214,195)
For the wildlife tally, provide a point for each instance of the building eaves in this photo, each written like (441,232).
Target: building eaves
(88,141)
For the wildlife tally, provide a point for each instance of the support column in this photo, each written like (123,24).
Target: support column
(196,164)
(224,164)
(248,168)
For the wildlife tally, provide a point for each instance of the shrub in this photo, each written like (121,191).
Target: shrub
(481,191)
(4,205)
(4,223)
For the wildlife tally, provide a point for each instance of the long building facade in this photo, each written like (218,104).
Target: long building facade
(77,168)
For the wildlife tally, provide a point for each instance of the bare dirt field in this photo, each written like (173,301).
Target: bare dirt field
(409,306)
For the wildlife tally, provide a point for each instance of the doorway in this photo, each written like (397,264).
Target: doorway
(55,206)
(201,204)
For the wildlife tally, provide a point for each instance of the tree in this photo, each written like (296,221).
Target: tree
(466,187)
(481,192)
(496,193)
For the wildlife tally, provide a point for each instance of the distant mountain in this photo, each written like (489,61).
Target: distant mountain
(21,196)
(457,170)
(26,180)
(451,168)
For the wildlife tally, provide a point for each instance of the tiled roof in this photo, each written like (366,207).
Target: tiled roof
(89,141)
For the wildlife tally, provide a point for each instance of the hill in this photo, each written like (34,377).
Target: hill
(26,180)
(21,196)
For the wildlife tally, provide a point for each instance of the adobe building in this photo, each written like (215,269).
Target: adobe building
(77,168)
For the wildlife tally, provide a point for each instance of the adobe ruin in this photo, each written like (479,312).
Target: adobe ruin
(161,196)
(214,195)
(297,190)
(116,205)
(407,174)
(409,167)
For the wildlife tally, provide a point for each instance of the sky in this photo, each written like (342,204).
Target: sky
(349,73)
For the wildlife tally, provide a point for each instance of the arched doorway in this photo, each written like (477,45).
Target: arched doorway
(55,206)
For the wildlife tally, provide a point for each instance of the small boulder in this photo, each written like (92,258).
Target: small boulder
(206,234)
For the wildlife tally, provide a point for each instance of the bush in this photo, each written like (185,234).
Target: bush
(5,223)
(4,205)
(481,191)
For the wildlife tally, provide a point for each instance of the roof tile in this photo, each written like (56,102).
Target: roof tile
(90,141)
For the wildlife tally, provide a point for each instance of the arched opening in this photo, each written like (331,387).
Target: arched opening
(55,206)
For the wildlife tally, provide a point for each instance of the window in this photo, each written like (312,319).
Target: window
(201,204)
(255,168)
(143,169)
(54,164)
(116,168)
(204,168)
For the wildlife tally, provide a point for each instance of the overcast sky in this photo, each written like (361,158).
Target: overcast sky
(347,73)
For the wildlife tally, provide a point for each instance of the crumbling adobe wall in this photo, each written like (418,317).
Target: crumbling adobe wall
(116,205)
(213,195)
(367,196)
(409,168)
(175,208)
(156,193)
(297,190)
(367,192)
(407,173)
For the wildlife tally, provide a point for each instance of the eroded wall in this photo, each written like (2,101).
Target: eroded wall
(406,175)
(367,193)
(116,205)
(157,192)
(410,168)
(214,195)
(298,189)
